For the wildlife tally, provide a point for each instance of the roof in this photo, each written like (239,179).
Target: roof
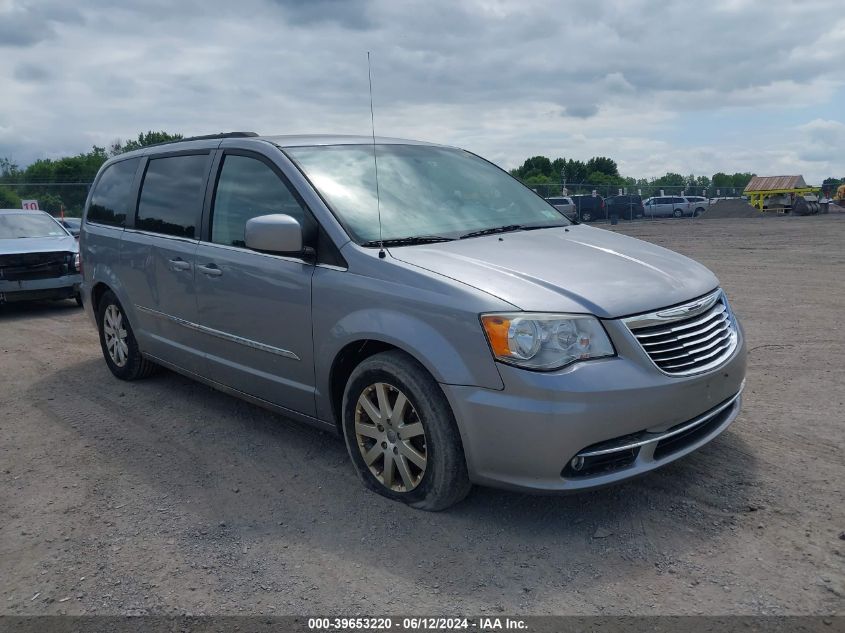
(13,211)
(293,140)
(770,183)
(300,140)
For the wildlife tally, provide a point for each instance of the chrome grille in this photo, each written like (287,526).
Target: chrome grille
(688,339)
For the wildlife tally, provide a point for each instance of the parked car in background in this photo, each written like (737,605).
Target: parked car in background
(72,225)
(563,204)
(471,335)
(589,208)
(39,258)
(697,204)
(666,207)
(626,206)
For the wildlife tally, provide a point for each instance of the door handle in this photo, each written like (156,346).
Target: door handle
(211,270)
(179,264)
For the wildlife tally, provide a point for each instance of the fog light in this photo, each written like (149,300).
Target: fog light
(577,463)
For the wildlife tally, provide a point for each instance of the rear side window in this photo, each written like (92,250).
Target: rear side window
(172,194)
(248,188)
(110,200)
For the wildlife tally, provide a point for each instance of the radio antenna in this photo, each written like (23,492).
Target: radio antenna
(375,159)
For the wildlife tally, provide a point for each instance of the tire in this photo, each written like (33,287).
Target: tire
(678,213)
(78,299)
(126,361)
(698,212)
(800,206)
(586,217)
(436,481)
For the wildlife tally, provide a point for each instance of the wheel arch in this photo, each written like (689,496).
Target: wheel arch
(104,279)
(353,354)
(347,359)
(97,291)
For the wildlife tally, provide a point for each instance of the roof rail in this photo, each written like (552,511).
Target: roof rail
(206,137)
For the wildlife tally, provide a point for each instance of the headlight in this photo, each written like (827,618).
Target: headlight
(545,341)
(76,265)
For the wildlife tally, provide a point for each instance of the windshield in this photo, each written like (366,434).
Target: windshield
(15,225)
(423,191)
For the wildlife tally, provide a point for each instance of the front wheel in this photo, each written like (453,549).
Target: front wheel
(586,216)
(401,434)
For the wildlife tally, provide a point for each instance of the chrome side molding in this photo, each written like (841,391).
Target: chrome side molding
(233,338)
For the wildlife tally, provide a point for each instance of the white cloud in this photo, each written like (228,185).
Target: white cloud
(505,78)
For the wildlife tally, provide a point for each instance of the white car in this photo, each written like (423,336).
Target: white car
(564,204)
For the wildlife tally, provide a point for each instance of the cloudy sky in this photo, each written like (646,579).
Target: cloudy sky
(686,86)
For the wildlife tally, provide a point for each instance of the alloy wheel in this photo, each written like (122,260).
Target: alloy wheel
(115,335)
(390,437)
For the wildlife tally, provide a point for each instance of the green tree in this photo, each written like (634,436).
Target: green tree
(733,183)
(144,139)
(603,165)
(740,180)
(8,198)
(576,171)
(604,180)
(9,171)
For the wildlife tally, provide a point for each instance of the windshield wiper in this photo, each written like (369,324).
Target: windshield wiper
(408,241)
(543,226)
(496,229)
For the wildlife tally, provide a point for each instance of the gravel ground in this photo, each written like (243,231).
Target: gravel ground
(163,496)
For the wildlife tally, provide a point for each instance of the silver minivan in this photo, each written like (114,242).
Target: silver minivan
(666,207)
(449,323)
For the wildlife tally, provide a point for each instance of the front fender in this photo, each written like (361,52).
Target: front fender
(431,318)
(437,353)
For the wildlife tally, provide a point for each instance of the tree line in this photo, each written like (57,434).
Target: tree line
(603,173)
(63,182)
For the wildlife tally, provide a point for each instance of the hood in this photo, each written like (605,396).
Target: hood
(39,245)
(582,269)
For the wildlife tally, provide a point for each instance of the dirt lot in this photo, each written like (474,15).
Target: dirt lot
(164,496)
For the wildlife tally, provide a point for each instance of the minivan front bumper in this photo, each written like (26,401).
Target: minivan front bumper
(621,415)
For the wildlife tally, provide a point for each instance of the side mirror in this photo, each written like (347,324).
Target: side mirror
(276,233)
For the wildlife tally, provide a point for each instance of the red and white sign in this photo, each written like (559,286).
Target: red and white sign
(29,205)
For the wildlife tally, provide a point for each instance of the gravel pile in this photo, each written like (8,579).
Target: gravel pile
(731,209)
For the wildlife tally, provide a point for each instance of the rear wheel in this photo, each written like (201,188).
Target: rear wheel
(401,434)
(120,349)
(586,216)
(78,298)
(678,213)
